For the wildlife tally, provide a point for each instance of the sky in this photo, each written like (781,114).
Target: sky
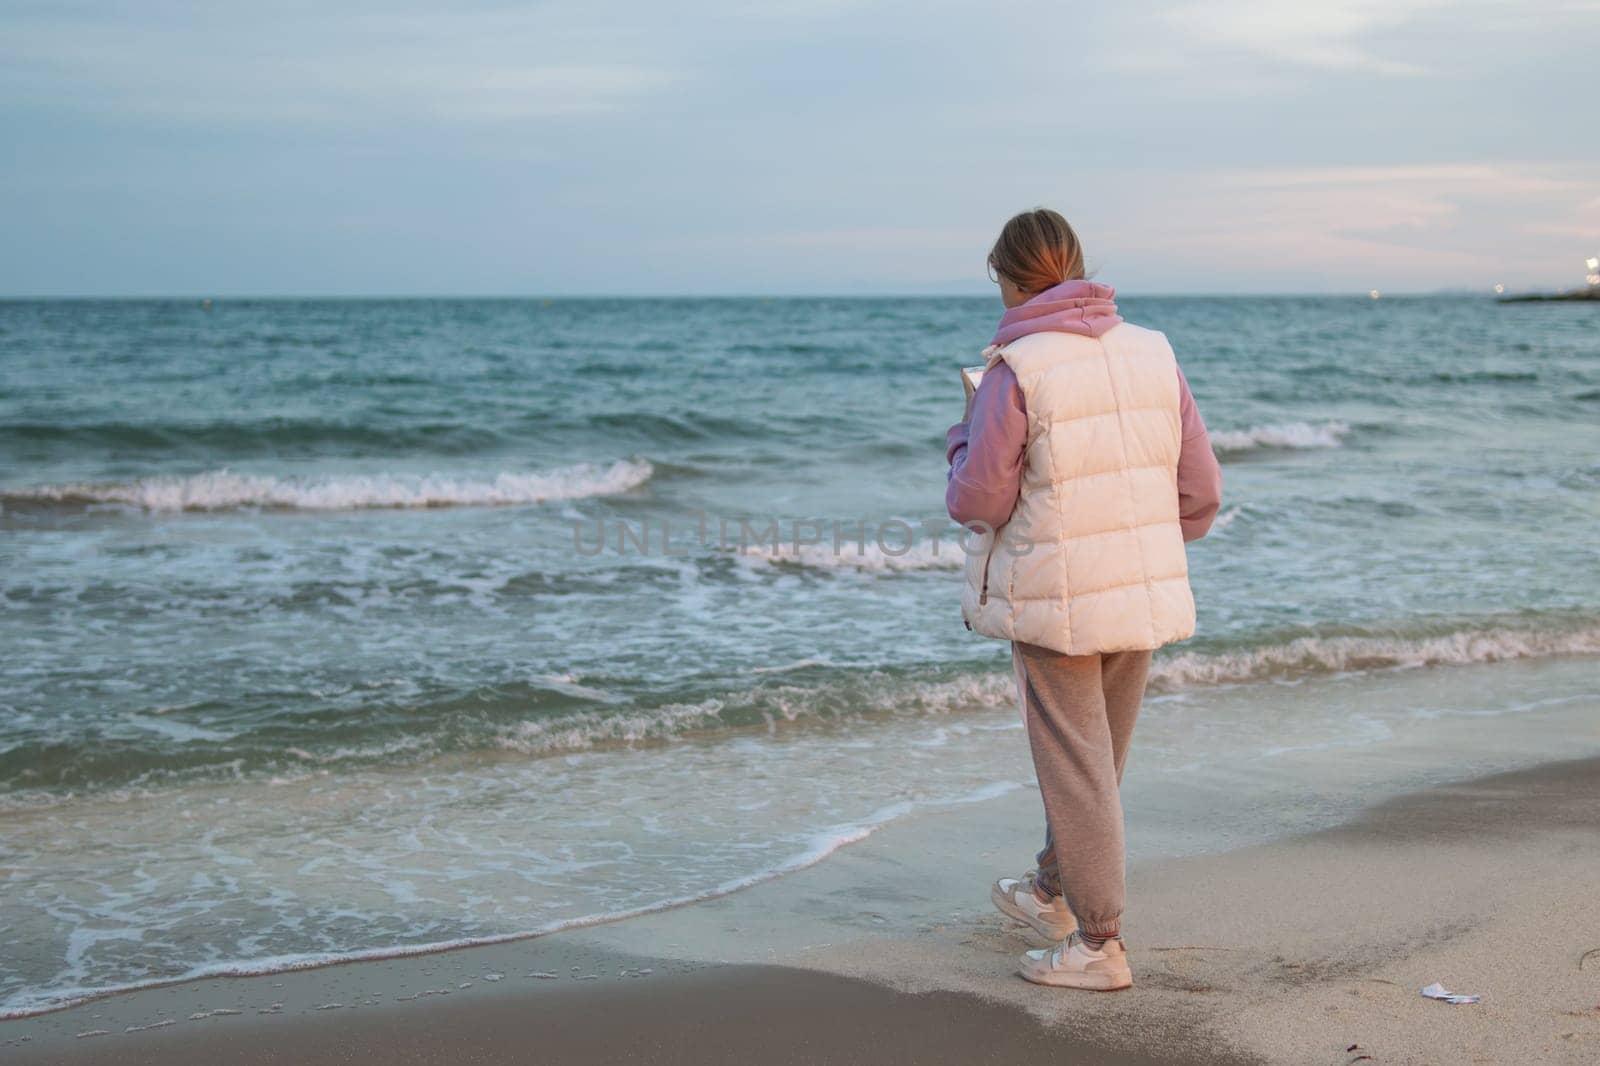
(830,146)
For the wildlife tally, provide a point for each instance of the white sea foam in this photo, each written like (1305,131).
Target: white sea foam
(569,684)
(175,729)
(587,729)
(1293,435)
(223,490)
(867,556)
(1329,655)
(820,846)
(784,668)
(1305,656)
(1225,519)
(614,722)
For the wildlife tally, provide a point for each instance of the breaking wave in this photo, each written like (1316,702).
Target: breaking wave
(556,714)
(864,556)
(1348,654)
(1283,435)
(226,490)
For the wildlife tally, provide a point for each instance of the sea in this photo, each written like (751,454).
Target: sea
(346,628)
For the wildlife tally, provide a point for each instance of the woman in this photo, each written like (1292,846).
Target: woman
(1083,450)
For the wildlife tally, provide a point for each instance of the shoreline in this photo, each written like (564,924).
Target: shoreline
(1197,785)
(687,1015)
(1272,952)
(274,967)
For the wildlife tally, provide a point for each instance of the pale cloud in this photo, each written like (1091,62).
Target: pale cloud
(1248,46)
(1583,224)
(321,66)
(516,92)
(1398,226)
(903,258)
(1579,230)
(1508,179)
(1327,33)
(879,239)
(1242,47)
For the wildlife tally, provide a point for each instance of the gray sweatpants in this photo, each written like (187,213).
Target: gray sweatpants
(1080,711)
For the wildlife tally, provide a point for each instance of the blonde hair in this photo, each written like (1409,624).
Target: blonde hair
(1037,249)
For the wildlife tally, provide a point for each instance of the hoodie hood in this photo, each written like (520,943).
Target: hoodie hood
(1082,307)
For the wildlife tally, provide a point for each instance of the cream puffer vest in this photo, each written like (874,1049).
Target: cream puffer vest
(1092,559)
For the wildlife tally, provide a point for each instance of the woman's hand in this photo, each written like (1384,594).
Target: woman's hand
(987,353)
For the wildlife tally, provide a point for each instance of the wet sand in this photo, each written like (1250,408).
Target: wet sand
(722,1014)
(1306,950)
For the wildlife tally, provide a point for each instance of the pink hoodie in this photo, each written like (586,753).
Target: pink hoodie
(1081,307)
(986,453)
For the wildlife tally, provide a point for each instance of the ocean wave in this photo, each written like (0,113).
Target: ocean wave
(875,691)
(1482,377)
(859,692)
(1356,653)
(819,845)
(652,428)
(226,490)
(1282,435)
(798,664)
(552,715)
(277,436)
(857,555)
(562,714)
(1226,518)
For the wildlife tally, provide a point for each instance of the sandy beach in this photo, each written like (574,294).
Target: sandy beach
(1308,949)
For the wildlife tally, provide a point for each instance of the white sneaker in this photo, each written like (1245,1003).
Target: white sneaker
(1014,896)
(1072,964)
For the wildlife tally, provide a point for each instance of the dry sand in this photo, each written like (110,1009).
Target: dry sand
(1308,950)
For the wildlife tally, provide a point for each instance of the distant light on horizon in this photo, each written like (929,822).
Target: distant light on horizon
(1374,293)
(1498,289)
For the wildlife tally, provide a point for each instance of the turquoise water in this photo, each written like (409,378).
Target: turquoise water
(299,597)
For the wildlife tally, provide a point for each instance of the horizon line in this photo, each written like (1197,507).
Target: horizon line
(886,294)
